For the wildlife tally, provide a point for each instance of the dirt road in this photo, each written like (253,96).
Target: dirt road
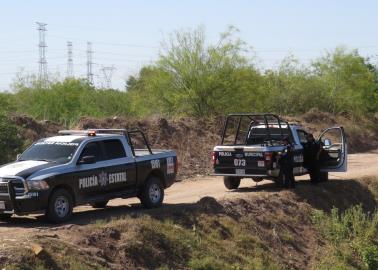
(185,192)
(192,190)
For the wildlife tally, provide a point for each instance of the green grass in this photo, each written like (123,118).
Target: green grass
(352,238)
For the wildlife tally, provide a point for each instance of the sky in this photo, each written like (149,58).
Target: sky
(127,34)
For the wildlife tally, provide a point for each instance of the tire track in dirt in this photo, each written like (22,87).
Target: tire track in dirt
(18,230)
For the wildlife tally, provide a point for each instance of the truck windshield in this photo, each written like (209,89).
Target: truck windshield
(57,152)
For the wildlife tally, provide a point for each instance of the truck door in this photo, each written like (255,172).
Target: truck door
(110,170)
(334,157)
(121,169)
(87,174)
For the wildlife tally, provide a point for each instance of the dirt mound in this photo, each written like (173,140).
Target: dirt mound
(192,139)
(274,230)
(32,130)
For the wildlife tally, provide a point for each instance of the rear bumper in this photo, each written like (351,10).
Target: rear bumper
(169,180)
(246,172)
(271,173)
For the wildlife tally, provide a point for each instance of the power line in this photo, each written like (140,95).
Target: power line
(69,60)
(89,62)
(110,43)
(42,53)
(108,73)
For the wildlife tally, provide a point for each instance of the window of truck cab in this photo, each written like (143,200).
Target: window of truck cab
(104,150)
(114,149)
(302,135)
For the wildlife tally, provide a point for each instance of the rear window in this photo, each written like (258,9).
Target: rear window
(114,149)
(259,134)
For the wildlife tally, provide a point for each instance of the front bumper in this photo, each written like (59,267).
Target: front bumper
(16,198)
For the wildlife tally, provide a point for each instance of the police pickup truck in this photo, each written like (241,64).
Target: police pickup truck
(251,147)
(85,167)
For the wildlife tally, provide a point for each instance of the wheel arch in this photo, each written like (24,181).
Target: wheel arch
(159,174)
(66,187)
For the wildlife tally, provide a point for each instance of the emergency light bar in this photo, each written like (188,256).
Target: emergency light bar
(93,132)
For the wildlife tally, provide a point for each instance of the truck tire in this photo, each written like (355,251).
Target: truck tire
(257,179)
(60,206)
(101,204)
(323,177)
(5,216)
(152,194)
(231,182)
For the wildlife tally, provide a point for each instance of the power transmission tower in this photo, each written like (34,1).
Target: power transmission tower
(42,53)
(89,62)
(69,61)
(108,73)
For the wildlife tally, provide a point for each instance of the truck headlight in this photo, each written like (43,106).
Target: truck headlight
(37,185)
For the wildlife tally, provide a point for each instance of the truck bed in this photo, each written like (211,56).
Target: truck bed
(145,152)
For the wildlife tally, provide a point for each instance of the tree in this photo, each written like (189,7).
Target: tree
(204,79)
(348,81)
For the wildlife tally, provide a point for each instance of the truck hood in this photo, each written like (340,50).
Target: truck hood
(24,168)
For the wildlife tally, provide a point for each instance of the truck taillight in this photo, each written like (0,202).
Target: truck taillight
(268,158)
(214,157)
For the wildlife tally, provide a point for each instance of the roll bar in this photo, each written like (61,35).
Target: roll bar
(267,118)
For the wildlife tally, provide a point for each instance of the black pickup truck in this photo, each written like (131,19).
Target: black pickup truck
(87,166)
(251,147)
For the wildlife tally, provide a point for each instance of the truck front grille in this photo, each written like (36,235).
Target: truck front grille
(3,188)
(16,185)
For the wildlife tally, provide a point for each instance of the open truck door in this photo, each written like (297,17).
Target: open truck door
(334,157)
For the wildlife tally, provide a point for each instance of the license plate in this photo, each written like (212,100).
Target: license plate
(240,171)
(2,205)
(261,163)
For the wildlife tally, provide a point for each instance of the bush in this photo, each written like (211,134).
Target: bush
(353,236)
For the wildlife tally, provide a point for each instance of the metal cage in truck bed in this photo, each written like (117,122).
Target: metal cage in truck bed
(254,128)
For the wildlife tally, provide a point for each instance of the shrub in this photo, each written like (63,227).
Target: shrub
(352,231)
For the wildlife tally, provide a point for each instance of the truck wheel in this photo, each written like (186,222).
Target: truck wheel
(101,204)
(257,179)
(60,206)
(152,194)
(231,182)
(323,177)
(5,216)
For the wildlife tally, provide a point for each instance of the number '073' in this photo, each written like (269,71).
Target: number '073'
(239,162)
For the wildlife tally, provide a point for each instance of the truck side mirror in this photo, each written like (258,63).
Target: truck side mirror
(87,160)
(327,142)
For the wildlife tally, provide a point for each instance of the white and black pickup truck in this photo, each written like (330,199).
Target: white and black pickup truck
(85,167)
(251,146)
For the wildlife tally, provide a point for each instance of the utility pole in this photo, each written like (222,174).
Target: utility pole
(108,73)
(69,60)
(42,53)
(89,63)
